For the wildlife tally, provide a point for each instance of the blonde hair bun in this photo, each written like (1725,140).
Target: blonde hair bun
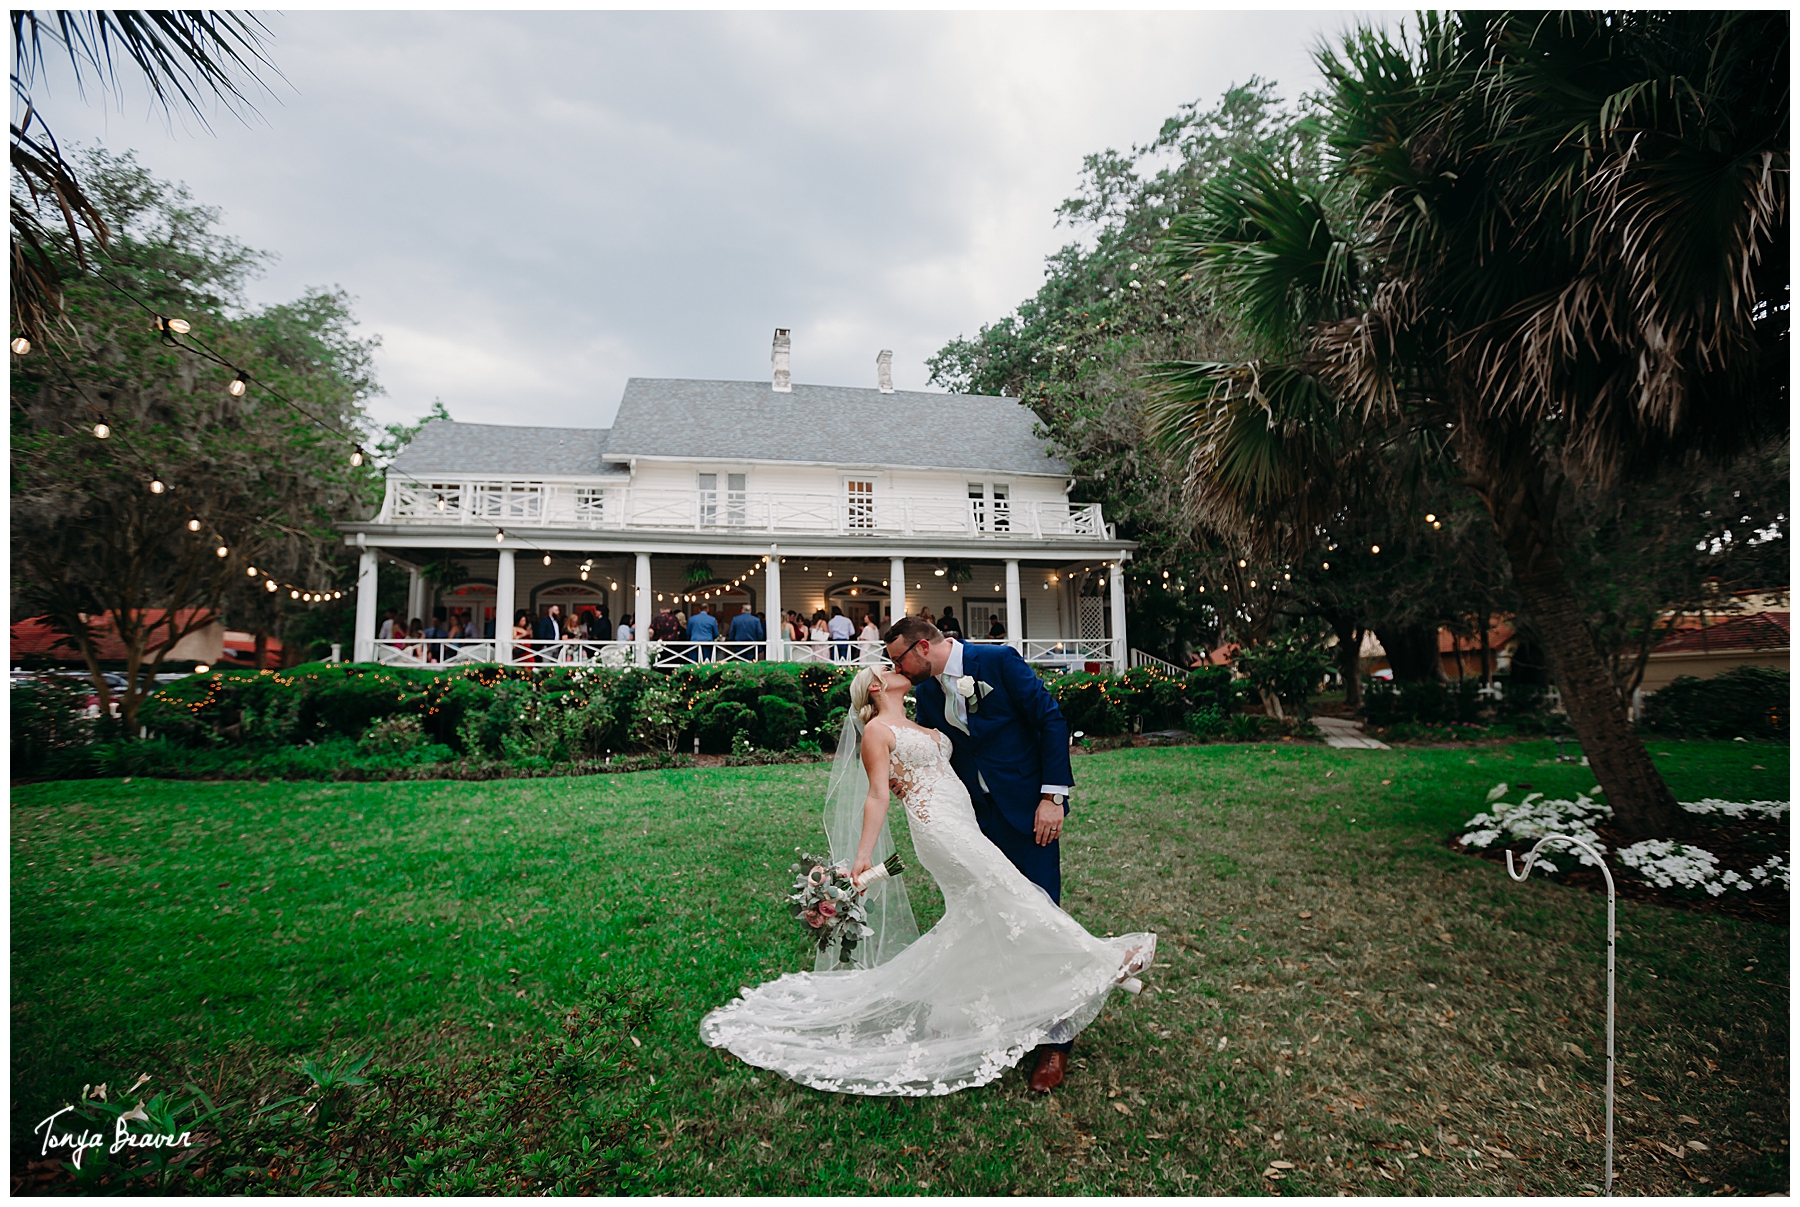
(867,679)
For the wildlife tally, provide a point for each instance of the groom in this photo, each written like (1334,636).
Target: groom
(1010,747)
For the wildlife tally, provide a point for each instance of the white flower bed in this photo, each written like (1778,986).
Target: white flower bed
(1663,863)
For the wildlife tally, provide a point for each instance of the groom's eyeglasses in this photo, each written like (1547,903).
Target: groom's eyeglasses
(899,658)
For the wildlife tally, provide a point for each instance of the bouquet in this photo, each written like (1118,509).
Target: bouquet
(830,904)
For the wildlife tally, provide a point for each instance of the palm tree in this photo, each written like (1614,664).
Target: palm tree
(184,56)
(1551,246)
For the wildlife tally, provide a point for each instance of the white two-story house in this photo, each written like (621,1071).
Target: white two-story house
(782,496)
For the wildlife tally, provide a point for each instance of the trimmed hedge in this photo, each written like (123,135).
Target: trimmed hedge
(1744,702)
(1146,698)
(520,714)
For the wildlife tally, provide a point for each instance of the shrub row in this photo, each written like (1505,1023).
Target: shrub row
(518,714)
(1148,698)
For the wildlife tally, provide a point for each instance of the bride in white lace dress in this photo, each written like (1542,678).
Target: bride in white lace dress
(1004,971)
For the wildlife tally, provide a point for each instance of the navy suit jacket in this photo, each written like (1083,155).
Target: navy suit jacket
(1018,740)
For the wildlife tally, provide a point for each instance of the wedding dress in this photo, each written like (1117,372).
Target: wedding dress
(1004,971)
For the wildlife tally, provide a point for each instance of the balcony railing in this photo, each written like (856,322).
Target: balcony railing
(629,508)
(1052,654)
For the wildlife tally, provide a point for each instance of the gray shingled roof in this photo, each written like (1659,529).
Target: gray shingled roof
(833,425)
(446,447)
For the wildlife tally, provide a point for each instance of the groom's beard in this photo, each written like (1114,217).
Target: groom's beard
(919,678)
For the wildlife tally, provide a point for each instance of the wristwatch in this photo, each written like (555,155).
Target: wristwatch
(1057,798)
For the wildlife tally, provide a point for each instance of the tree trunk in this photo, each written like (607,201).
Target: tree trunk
(262,647)
(1514,489)
(1412,652)
(1349,660)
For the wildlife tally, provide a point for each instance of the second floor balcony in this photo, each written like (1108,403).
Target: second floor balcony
(607,507)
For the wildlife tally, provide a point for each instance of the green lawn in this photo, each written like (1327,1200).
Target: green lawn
(219,933)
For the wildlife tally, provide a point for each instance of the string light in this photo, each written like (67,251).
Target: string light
(200,668)
(1374,548)
(21,346)
(193,525)
(293,595)
(356,455)
(272,586)
(238,386)
(1325,565)
(1430,518)
(221,551)
(157,486)
(250,570)
(546,559)
(499,535)
(178,326)
(102,431)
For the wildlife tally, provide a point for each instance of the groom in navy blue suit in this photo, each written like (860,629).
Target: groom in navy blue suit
(1009,746)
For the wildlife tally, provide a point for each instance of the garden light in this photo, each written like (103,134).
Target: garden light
(200,668)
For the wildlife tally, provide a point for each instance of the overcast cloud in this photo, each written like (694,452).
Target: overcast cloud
(531,207)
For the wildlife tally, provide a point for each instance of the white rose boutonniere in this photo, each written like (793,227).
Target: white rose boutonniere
(965,687)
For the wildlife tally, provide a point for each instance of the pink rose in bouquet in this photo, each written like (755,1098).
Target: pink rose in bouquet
(828,909)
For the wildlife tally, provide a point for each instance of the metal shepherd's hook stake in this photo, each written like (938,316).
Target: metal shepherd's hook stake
(1612,938)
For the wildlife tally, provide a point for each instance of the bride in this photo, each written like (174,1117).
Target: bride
(1004,971)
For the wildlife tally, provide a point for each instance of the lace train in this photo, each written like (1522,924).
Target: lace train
(1004,971)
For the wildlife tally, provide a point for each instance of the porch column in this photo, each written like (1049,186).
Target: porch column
(365,607)
(1116,581)
(897,587)
(415,600)
(504,589)
(1015,620)
(772,606)
(640,633)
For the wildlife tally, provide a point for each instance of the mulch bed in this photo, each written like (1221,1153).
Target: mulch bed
(1740,845)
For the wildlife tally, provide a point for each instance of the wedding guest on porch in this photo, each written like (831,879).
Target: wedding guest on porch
(416,647)
(600,625)
(868,639)
(843,631)
(746,627)
(818,635)
(626,632)
(522,632)
(949,625)
(703,630)
(386,631)
(996,628)
(664,626)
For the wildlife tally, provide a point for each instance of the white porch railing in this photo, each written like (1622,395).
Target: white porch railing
(628,508)
(1139,658)
(1062,655)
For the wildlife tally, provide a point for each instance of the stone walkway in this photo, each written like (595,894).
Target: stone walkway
(1346,735)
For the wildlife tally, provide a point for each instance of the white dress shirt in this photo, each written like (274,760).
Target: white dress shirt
(959,707)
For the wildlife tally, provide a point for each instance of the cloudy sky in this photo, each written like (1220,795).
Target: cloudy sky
(531,207)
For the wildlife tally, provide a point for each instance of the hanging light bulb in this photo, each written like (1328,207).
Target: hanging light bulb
(21,346)
(499,534)
(193,525)
(221,551)
(178,326)
(584,576)
(1253,584)
(102,431)
(614,586)
(1374,548)
(546,559)
(356,455)
(1437,523)
(441,505)
(293,595)
(938,573)
(238,386)
(250,570)
(271,586)
(157,486)
(1430,518)
(1324,565)
(1242,563)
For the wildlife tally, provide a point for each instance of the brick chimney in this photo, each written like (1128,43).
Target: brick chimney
(884,371)
(778,356)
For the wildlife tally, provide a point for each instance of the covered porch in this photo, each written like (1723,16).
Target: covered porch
(1059,602)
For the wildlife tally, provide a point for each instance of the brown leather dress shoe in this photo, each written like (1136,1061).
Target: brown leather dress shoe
(1052,1063)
